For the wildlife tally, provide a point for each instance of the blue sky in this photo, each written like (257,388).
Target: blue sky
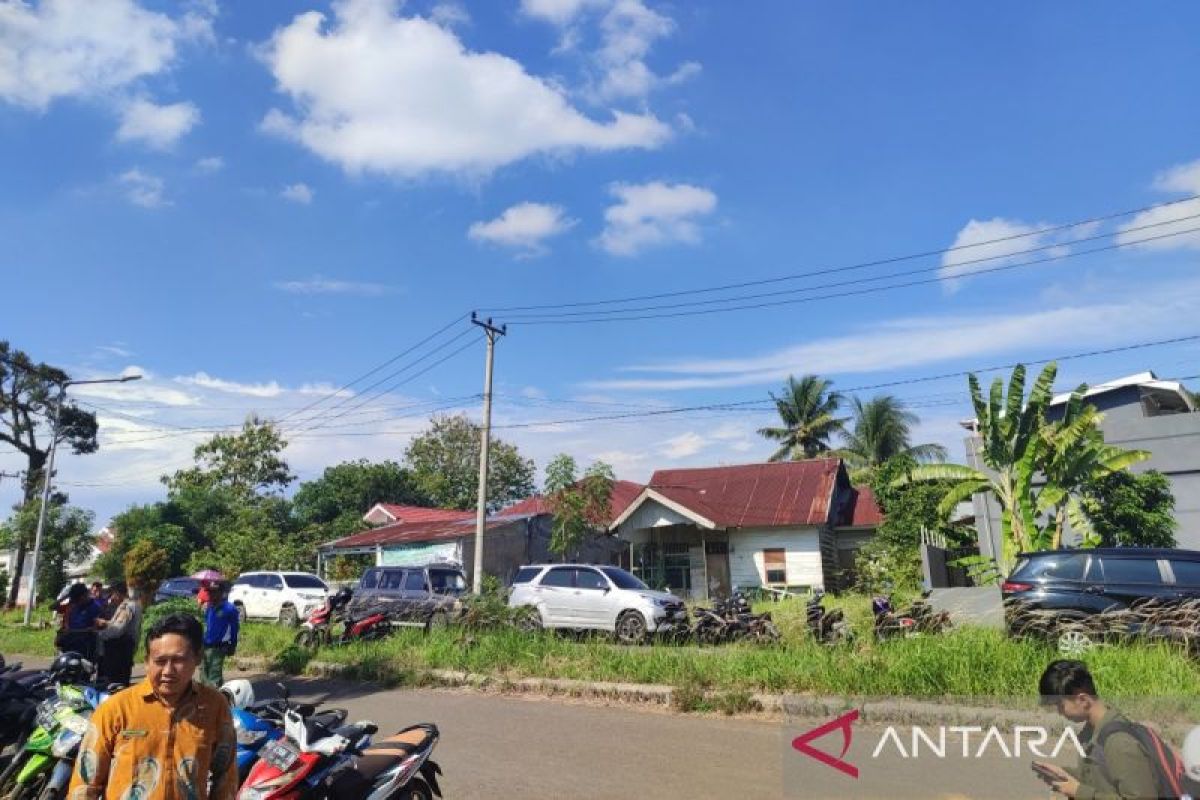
(252,205)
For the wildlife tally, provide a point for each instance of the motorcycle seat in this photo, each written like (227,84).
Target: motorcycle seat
(388,752)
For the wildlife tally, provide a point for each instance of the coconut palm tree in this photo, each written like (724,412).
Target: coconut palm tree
(882,429)
(807,408)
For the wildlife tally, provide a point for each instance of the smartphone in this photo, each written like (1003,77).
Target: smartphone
(1045,773)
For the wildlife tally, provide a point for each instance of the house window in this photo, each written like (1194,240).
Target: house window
(775,565)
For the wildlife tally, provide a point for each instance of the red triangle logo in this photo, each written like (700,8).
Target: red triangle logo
(842,723)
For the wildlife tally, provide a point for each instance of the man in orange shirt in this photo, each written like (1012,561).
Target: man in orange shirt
(168,737)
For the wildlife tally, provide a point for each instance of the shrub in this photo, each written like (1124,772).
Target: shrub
(176,605)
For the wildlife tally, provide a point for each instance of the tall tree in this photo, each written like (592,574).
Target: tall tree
(28,392)
(352,487)
(445,464)
(1017,445)
(579,505)
(808,413)
(883,430)
(249,462)
(67,540)
(1131,510)
(163,524)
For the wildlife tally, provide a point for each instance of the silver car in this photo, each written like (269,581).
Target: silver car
(587,597)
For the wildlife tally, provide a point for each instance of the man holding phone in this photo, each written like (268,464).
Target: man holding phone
(1114,764)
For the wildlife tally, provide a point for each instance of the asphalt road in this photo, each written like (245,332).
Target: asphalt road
(532,747)
(513,746)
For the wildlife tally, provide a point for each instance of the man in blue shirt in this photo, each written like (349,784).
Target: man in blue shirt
(78,628)
(220,634)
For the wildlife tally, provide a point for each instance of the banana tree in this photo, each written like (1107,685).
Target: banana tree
(1012,446)
(1076,455)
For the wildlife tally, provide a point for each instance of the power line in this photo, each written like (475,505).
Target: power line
(884,385)
(850,267)
(595,316)
(376,369)
(855,281)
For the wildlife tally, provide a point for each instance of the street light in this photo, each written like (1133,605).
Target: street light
(41,526)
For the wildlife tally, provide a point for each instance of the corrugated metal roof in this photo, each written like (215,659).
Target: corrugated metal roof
(410,532)
(623,493)
(862,511)
(404,513)
(777,494)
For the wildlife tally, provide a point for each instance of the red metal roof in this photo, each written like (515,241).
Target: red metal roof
(754,495)
(404,513)
(863,510)
(402,532)
(623,493)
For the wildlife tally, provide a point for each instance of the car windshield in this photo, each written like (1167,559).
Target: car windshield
(446,581)
(302,581)
(623,579)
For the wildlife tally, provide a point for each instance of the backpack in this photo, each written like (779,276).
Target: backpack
(1173,780)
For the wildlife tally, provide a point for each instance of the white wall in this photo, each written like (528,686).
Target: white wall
(803,555)
(651,514)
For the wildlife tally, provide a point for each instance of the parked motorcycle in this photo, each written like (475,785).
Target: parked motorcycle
(917,619)
(20,694)
(259,722)
(318,760)
(826,626)
(42,769)
(317,629)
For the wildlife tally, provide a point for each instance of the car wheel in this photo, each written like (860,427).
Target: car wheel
(528,620)
(1074,643)
(631,628)
(241,611)
(288,616)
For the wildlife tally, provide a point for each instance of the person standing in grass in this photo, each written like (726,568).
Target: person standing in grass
(1114,764)
(119,636)
(221,625)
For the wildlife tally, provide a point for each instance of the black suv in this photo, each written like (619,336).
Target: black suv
(1077,597)
(426,595)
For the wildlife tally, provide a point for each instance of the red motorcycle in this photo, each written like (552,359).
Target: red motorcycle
(316,631)
(318,761)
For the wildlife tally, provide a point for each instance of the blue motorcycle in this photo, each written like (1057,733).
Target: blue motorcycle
(258,722)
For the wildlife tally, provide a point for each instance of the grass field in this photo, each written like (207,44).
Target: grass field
(967,662)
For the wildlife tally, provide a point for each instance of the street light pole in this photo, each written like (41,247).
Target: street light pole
(31,600)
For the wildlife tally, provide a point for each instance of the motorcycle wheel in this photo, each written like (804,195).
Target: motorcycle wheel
(417,789)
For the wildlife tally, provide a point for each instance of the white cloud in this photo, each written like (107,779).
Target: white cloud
(113,350)
(683,445)
(918,341)
(654,214)
(300,193)
(532,392)
(203,380)
(319,285)
(210,164)
(143,391)
(143,189)
(158,126)
(370,93)
(974,255)
(450,14)
(324,389)
(1179,179)
(628,31)
(525,226)
(558,12)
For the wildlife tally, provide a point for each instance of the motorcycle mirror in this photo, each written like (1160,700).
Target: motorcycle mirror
(283,691)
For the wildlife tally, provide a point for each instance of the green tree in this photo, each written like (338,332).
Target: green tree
(909,508)
(579,505)
(67,540)
(445,466)
(353,487)
(1074,457)
(1131,510)
(28,392)
(808,413)
(247,463)
(145,566)
(882,430)
(164,524)
(254,535)
(1017,444)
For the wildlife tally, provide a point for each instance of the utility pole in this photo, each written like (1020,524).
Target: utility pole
(31,599)
(492,333)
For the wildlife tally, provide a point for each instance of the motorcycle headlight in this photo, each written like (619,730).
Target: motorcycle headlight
(65,743)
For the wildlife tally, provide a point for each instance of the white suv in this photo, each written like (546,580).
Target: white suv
(285,596)
(582,596)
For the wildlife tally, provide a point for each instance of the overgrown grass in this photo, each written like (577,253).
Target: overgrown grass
(970,662)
